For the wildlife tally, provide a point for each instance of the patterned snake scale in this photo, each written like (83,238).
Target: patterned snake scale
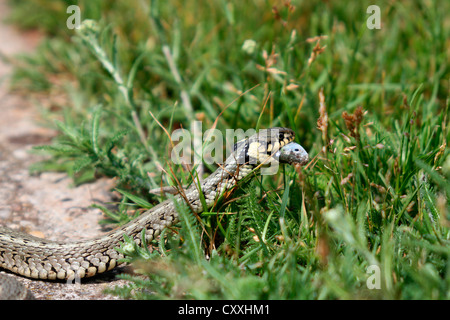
(38,258)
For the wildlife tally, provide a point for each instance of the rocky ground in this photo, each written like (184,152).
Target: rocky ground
(47,205)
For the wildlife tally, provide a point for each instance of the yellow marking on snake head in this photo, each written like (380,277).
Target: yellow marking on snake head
(276,145)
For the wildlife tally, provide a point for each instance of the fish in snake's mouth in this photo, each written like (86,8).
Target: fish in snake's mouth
(292,153)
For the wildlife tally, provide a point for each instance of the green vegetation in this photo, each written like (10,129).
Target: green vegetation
(370,106)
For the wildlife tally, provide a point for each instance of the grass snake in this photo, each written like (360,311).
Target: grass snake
(38,258)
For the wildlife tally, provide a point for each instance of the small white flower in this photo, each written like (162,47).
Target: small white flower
(333,215)
(128,248)
(88,26)
(249,46)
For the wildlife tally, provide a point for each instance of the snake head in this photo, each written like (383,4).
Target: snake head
(261,147)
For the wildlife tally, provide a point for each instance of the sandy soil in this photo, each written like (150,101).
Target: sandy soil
(47,205)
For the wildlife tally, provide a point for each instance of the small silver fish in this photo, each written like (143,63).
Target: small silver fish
(292,153)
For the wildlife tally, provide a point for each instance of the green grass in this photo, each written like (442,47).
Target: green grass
(376,192)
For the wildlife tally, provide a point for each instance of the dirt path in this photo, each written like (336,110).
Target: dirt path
(46,205)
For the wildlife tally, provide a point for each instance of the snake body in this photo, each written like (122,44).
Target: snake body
(38,258)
